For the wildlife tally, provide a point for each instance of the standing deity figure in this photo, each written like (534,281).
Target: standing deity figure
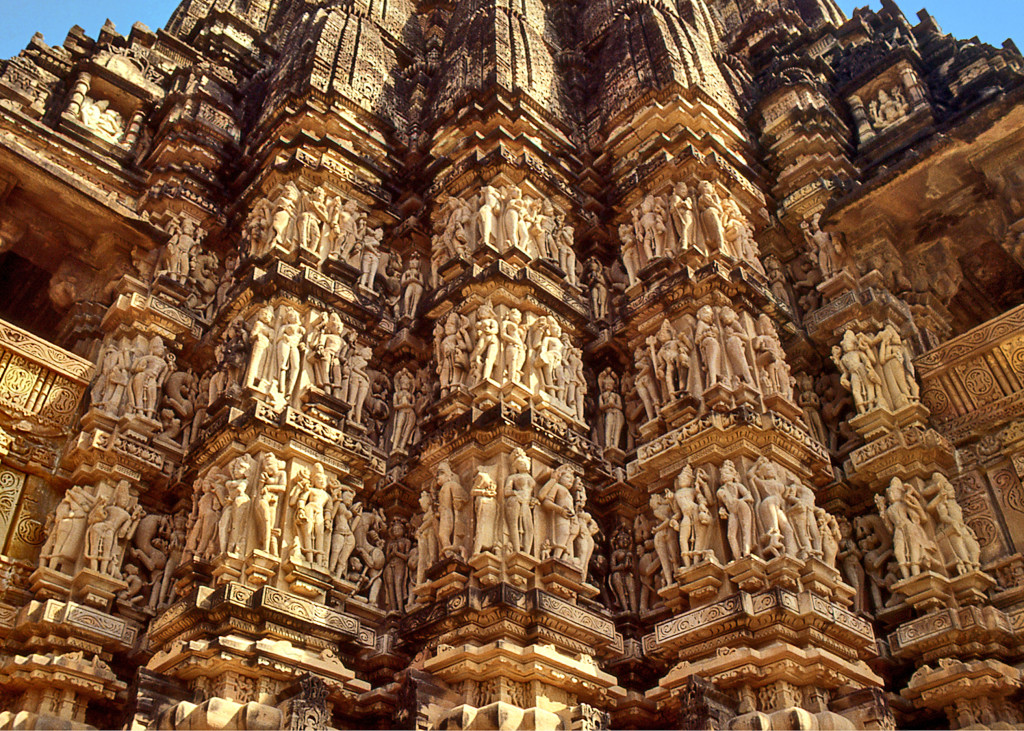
(149,372)
(513,221)
(650,228)
(205,517)
(575,388)
(285,218)
(558,507)
(737,509)
(111,525)
(566,238)
(325,347)
(404,410)
(427,541)
(711,217)
(772,357)
(858,373)
(485,354)
(112,380)
(453,519)
(630,252)
(780,538)
(396,566)
(314,212)
(706,338)
(737,347)
(512,335)
(665,533)
(484,493)
(489,217)
(412,286)
(827,248)
(357,381)
(343,537)
(273,481)
(683,222)
(831,536)
(66,541)
(800,511)
(645,383)
(622,571)
(234,517)
(905,517)
(549,356)
(671,361)
(949,521)
(692,514)
(262,337)
(596,281)
(586,542)
(369,257)
(520,502)
(178,254)
(610,406)
(347,226)
(288,350)
(309,502)
(892,355)
(452,348)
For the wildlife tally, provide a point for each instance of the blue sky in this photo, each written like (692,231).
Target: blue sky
(991,20)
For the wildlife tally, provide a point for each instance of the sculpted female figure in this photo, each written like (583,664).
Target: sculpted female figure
(201,539)
(610,406)
(343,537)
(737,345)
(950,522)
(358,381)
(67,536)
(711,217)
(681,208)
(404,403)
(452,499)
(272,483)
(646,386)
(664,540)
(686,514)
(310,500)
(706,337)
(737,509)
(261,336)
(557,502)
(452,353)
(513,345)
(488,345)
(906,518)
(234,517)
(428,548)
(772,508)
(519,502)
(289,353)
(485,499)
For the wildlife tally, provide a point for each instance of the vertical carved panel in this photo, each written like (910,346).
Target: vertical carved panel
(11,484)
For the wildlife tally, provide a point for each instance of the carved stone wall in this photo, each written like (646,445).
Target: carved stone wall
(526,365)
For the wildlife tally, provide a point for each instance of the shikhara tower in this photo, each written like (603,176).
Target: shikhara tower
(539,364)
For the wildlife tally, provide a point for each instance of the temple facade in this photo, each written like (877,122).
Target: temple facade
(520,364)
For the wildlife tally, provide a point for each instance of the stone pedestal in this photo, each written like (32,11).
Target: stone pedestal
(701,581)
(520,568)
(227,567)
(926,592)
(749,573)
(261,567)
(785,571)
(95,589)
(972,587)
(49,583)
(306,580)
(837,284)
(486,568)
(562,579)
